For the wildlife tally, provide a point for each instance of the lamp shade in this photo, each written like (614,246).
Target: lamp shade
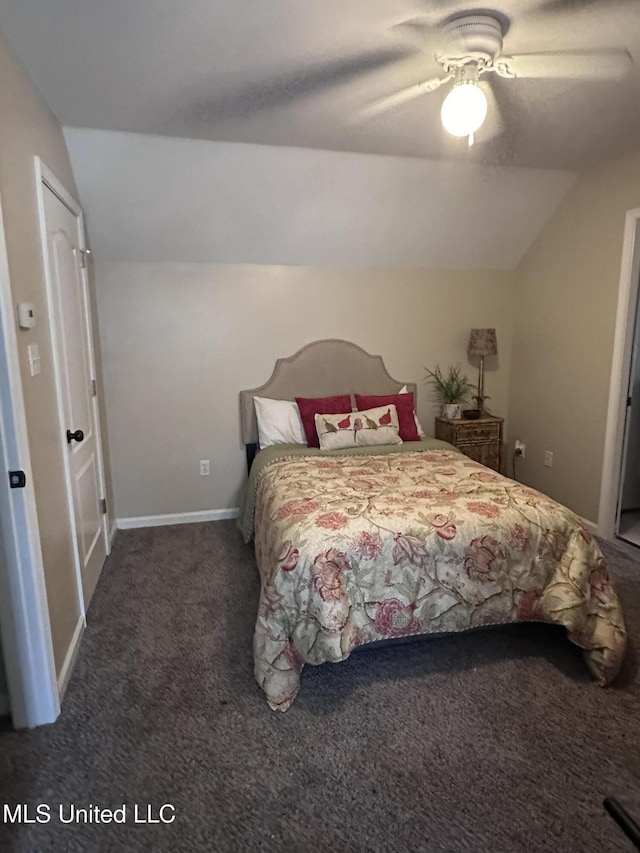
(482,342)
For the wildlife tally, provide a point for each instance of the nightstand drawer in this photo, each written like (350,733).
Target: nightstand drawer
(477,433)
(479,439)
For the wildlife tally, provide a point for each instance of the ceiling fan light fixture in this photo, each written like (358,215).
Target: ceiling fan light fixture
(464,109)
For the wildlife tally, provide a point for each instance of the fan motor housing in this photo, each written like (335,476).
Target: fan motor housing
(472,38)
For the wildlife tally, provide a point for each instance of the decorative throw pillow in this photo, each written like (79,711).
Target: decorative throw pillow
(421,432)
(312,406)
(404,406)
(358,429)
(279,422)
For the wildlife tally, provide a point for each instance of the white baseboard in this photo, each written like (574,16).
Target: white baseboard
(591,526)
(69,659)
(112,532)
(177,518)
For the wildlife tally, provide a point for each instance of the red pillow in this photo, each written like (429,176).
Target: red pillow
(404,406)
(311,406)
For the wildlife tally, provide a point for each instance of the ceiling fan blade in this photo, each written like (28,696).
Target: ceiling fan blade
(284,89)
(402,97)
(586,65)
(594,22)
(563,6)
(417,30)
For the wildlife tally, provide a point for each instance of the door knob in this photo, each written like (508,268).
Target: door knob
(78,435)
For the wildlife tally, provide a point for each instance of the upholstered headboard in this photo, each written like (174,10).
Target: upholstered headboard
(320,369)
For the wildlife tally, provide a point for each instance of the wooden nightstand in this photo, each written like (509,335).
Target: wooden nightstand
(480,439)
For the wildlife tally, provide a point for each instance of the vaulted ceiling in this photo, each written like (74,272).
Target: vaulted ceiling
(296,73)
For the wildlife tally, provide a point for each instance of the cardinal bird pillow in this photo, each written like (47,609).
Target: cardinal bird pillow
(358,429)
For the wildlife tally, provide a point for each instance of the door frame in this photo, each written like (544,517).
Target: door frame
(628,289)
(24,615)
(45,179)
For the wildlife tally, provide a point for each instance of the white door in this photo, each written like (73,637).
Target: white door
(75,375)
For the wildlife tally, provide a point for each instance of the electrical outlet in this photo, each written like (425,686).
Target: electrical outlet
(548,458)
(520,448)
(35,366)
(204,467)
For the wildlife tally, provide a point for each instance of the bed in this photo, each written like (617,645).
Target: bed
(367,543)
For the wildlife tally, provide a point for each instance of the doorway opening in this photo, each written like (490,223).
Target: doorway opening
(619,511)
(628,514)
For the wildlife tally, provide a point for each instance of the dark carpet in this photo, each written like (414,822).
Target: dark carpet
(492,741)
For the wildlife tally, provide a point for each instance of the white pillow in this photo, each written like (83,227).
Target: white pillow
(279,422)
(421,432)
(367,428)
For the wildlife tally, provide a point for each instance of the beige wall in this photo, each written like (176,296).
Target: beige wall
(199,201)
(565,306)
(181,340)
(274,226)
(29,128)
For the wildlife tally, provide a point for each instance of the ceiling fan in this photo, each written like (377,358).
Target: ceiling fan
(470,46)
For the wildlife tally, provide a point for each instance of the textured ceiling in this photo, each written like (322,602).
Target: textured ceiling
(295,73)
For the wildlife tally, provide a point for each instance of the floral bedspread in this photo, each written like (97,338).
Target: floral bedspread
(357,548)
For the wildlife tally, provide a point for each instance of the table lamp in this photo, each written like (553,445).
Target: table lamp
(482,342)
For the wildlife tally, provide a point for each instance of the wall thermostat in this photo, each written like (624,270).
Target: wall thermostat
(26,315)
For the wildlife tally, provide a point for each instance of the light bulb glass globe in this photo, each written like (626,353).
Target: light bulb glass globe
(464,109)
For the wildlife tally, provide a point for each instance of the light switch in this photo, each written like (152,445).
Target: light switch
(34,359)
(26,315)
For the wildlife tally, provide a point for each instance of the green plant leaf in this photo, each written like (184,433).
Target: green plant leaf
(450,387)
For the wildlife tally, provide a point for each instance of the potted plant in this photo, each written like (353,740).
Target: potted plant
(451,388)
